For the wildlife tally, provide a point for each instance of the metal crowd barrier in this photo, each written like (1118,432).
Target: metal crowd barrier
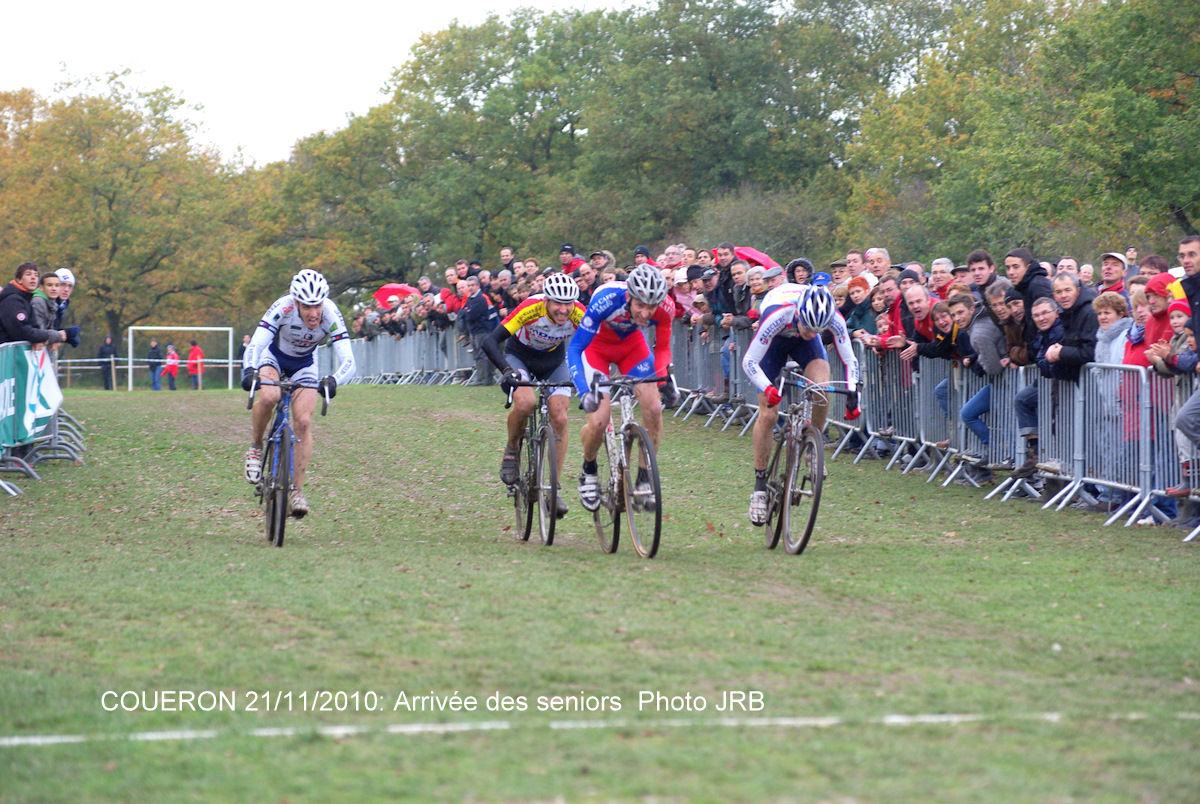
(1111,433)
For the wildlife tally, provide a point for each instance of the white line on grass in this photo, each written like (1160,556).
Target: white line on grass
(565,725)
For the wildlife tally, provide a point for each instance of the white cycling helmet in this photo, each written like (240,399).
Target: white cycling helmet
(309,287)
(560,288)
(815,308)
(646,284)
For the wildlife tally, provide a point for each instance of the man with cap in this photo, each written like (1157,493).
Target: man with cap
(773,277)
(67,280)
(599,260)
(1112,274)
(641,255)
(569,259)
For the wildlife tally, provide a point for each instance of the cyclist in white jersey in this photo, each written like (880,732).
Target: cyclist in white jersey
(284,345)
(793,318)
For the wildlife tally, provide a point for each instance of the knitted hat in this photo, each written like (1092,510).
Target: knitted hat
(1181,305)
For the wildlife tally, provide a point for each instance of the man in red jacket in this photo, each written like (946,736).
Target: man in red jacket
(195,366)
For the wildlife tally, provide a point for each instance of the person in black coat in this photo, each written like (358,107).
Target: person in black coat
(1080,325)
(1028,277)
(107,353)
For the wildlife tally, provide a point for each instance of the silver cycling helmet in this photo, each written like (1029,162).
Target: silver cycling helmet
(560,288)
(309,287)
(815,308)
(646,284)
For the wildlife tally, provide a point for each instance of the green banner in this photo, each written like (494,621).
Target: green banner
(29,393)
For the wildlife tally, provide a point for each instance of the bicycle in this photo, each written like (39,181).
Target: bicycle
(275,483)
(796,472)
(537,482)
(628,455)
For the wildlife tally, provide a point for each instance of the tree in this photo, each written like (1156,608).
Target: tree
(110,186)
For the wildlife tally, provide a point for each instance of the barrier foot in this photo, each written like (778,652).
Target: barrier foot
(901,449)
(1192,535)
(841,445)
(16,490)
(687,402)
(736,417)
(750,422)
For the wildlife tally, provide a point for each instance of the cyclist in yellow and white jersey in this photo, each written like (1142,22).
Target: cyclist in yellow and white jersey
(534,335)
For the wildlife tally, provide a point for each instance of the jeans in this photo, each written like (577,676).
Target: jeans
(971,413)
(155,379)
(195,381)
(942,392)
(1027,412)
(171,381)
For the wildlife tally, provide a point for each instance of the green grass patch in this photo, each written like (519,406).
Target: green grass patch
(147,570)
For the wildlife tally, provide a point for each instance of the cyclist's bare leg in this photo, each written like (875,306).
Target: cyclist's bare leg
(592,435)
(523,404)
(558,421)
(265,400)
(764,428)
(304,402)
(818,372)
(651,404)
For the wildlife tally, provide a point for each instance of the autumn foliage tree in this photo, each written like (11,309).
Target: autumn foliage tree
(108,184)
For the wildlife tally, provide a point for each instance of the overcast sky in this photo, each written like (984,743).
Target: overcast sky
(267,74)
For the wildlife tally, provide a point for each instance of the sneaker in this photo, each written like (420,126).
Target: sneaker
(1146,521)
(253,465)
(299,505)
(886,431)
(758,508)
(943,444)
(1006,465)
(1027,469)
(1184,489)
(561,506)
(589,491)
(1051,467)
(510,467)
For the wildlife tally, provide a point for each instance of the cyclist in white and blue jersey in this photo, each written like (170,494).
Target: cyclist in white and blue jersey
(793,318)
(284,346)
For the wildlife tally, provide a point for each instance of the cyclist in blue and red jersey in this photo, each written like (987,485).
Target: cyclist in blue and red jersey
(610,334)
(534,335)
(793,318)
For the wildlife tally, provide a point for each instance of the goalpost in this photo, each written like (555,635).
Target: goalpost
(183,358)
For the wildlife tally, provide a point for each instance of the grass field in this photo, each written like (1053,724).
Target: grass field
(1069,650)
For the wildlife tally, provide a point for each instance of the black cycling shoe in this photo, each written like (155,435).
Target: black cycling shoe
(510,468)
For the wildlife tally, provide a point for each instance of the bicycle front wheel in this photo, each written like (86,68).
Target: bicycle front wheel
(806,472)
(520,491)
(546,484)
(276,493)
(608,516)
(777,514)
(643,491)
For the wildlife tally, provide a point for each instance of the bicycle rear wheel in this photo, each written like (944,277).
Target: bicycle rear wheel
(520,490)
(546,484)
(776,480)
(806,472)
(276,493)
(643,491)
(608,516)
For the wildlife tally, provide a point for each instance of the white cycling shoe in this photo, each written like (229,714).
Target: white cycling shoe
(253,465)
(298,504)
(758,508)
(589,491)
